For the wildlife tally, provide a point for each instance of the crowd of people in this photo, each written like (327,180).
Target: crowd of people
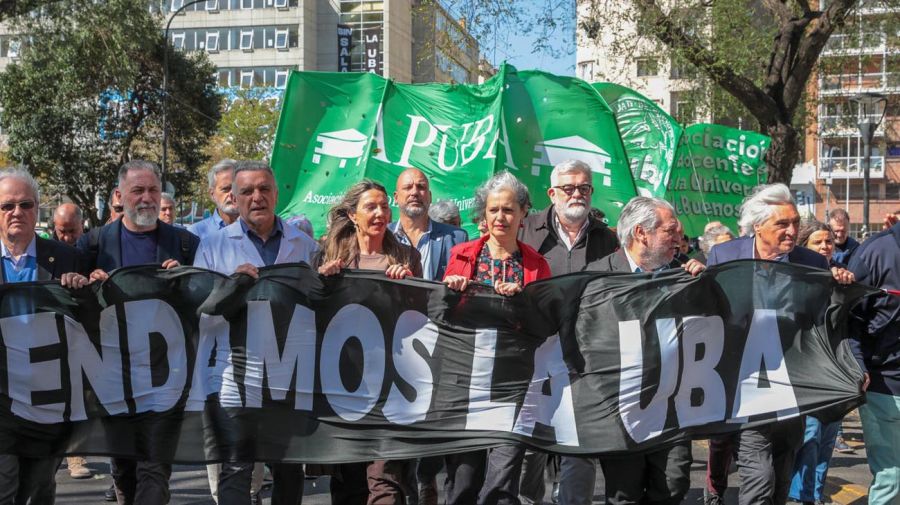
(785,460)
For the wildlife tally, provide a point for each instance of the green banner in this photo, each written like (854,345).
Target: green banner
(649,134)
(716,167)
(337,128)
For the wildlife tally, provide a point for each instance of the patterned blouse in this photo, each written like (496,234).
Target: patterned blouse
(489,270)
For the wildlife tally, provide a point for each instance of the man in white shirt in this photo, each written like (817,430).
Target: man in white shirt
(256,239)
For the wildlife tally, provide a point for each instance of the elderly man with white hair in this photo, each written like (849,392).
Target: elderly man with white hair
(650,236)
(769,226)
(219,179)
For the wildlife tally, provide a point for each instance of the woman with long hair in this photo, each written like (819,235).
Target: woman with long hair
(358,238)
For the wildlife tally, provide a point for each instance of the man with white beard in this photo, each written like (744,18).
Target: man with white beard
(569,238)
(219,179)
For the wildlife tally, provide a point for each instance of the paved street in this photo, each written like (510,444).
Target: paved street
(848,479)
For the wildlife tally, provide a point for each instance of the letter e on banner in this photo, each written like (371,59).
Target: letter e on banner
(21,334)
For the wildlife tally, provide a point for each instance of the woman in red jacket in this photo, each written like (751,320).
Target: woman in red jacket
(500,260)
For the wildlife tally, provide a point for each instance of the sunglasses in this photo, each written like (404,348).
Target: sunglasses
(11,206)
(118,208)
(569,189)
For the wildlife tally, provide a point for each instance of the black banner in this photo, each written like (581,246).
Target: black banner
(345,44)
(373,60)
(188,365)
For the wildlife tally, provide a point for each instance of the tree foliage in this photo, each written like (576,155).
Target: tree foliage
(754,60)
(86,97)
(248,124)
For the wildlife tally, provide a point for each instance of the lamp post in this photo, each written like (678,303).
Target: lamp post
(871,112)
(165,89)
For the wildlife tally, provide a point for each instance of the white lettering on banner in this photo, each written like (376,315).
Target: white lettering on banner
(451,153)
(103,373)
(484,413)
(502,137)
(555,409)
(144,318)
(21,334)
(263,356)
(412,367)
(700,374)
(206,379)
(479,136)
(763,349)
(411,136)
(644,423)
(353,321)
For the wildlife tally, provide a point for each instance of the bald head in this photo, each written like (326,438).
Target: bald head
(413,194)
(68,223)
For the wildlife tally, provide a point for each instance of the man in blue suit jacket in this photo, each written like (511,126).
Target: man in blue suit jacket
(138,238)
(433,240)
(771,223)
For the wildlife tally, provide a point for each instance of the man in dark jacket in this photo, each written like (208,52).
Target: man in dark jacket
(877,350)
(25,257)
(565,233)
(568,237)
(770,222)
(844,244)
(650,236)
(138,238)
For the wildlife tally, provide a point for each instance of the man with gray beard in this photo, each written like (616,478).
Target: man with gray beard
(569,238)
(138,238)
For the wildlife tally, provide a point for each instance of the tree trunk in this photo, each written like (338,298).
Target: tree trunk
(783,151)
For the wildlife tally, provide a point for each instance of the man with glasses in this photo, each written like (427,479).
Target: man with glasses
(569,238)
(27,258)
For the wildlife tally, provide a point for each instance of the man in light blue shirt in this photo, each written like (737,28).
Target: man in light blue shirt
(27,258)
(433,240)
(257,239)
(219,179)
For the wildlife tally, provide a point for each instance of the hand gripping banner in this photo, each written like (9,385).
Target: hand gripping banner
(188,365)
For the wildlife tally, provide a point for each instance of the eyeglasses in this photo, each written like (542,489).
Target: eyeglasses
(11,206)
(569,189)
(118,208)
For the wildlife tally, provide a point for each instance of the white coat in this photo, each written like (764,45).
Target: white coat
(226,249)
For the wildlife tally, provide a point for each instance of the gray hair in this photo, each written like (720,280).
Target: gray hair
(757,208)
(499,182)
(640,211)
(709,236)
(23,175)
(221,166)
(838,214)
(569,167)
(166,196)
(250,166)
(443,211)
(137,165)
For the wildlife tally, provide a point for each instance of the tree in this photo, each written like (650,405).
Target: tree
(762,55)
(86,97)
(248,124)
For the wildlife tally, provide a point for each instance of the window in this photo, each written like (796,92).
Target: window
(246,4)
(683,70)
(246,40)
(212,42)
(281,39)
(177,4)
(224,78)
(586,70)
(246,78)
(647,67)
(281,4)
(281,78)
(178,41)
(212,5)
(14,46)
(683,108)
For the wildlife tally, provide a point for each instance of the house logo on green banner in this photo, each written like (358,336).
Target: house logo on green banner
(552,152)
(346,145)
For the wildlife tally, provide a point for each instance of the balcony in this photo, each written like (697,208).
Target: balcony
(850,168)
(856,43)
(843,126)
(845,84)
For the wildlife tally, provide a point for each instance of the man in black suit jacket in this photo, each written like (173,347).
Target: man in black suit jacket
(28,258)
(138,238)
(650,236)
(770,223)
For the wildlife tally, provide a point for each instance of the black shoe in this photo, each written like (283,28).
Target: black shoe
(255,499)
(713,499)
(110,494)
